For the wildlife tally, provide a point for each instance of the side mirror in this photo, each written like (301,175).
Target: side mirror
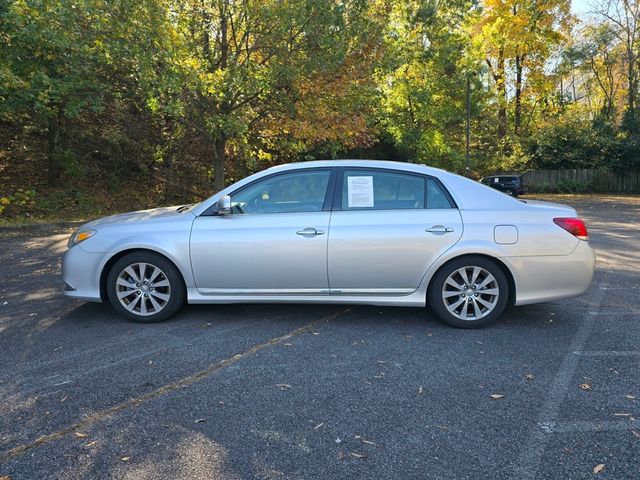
(224,205)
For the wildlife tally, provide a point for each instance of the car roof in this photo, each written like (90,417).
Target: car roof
(467,193)
(415,167)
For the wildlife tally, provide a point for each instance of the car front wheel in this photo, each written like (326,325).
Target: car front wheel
(145,287)
(469,292)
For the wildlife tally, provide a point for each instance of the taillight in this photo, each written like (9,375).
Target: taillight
(574,226)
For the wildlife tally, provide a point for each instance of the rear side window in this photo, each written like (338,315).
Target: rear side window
(381,190)
(436,198)
(509,180)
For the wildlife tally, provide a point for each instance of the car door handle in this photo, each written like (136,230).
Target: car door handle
(438,229)
(310,232)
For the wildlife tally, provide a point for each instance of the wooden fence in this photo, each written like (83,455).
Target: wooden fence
(601,181)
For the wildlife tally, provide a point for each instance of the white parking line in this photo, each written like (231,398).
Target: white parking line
(589,426)
(608,353)
(530,456)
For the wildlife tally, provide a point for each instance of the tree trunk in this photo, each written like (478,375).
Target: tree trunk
(220,143)
(219,159)
(501,83)
(53,167)
(631,91)
(518,96)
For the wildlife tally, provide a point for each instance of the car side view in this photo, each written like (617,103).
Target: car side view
(340,231)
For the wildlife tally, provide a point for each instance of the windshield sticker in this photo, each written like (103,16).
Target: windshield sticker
(360,192)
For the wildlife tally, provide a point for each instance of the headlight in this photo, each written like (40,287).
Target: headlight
(80,236)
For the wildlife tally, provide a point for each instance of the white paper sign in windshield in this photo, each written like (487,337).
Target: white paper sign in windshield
(360,192)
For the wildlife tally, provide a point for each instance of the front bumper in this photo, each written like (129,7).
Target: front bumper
(547,278)
(81,274)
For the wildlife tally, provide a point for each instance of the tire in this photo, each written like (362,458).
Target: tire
(154,301)
(489,292)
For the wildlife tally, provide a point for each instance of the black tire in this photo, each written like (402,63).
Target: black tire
(175,290)
(437,303)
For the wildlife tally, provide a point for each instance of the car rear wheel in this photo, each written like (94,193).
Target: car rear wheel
(145,287)
(469,292)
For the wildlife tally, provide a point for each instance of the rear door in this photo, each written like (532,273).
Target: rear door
(387,228)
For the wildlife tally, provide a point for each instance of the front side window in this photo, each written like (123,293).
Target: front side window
(380,190)
(286,193)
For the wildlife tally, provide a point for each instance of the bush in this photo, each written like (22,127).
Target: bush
(573,143)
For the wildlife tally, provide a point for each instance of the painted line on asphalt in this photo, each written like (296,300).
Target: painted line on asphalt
(589,426)
(608,353)
(531,455)
(137,401)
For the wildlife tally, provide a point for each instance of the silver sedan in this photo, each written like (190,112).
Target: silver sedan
(343,231)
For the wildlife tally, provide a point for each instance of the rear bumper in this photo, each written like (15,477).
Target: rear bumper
(81,274)
(543,279)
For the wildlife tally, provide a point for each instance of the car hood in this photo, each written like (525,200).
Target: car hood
(560,208)
(151,215)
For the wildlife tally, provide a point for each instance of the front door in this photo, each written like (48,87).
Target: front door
(273,243)
(387,229)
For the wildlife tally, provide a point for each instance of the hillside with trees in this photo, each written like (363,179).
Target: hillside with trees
(124,104)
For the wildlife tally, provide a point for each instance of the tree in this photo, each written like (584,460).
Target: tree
(65,63)
(623,19)
(252,62)
(423,80)
(518,35)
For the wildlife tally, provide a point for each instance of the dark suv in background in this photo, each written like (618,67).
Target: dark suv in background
(511,184)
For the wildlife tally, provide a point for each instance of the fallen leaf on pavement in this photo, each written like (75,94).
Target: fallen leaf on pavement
(585,386)
(496,396)
(598,468)
(358,455)
(340,455)
(80,435)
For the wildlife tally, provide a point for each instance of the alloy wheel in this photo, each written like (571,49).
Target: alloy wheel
(143,289)
(470,293)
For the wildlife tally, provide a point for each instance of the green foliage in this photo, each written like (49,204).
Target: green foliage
(572,144)
(180,94)
(21,197)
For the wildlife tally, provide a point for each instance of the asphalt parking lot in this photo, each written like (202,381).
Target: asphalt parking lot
(291,391)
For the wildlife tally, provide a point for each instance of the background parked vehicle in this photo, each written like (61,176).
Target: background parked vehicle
(511,184)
